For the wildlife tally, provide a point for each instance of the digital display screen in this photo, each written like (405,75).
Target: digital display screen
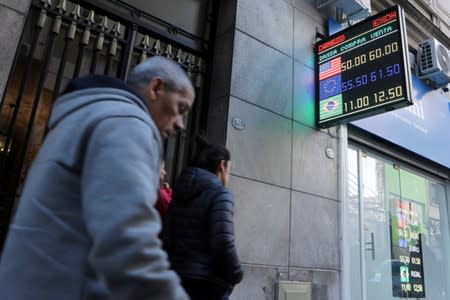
(363,70)
(408,278)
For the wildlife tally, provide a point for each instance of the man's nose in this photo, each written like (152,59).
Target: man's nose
(179,123)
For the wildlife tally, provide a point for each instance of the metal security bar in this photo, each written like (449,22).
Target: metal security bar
(66,39)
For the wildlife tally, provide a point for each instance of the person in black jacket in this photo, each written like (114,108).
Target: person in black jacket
(198,234)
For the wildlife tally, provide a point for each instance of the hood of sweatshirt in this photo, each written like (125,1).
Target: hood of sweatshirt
(89,89)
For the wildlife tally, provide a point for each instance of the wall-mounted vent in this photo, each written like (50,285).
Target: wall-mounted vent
(433,60)
(293,290)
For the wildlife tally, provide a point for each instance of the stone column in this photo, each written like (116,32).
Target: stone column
(261,107)
(12,19)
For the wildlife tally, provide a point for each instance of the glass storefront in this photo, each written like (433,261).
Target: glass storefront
(398,231)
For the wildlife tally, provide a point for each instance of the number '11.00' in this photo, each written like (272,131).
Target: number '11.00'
(356,104)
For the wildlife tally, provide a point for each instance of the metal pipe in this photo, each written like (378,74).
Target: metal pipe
(61,68)
(112,48)
(215,12)
(83,43)
(94,62)
(69,40)
(39,26)
(99,44)
(70,36)
(16,178)
(344,210)
(76,71)
(128,53)
(48,53)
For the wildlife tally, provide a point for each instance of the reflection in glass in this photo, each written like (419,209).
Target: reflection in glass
(398,221)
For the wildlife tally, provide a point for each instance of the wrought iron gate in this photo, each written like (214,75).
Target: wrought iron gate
(68,39)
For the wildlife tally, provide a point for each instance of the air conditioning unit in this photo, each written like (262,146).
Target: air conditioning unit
(433,60)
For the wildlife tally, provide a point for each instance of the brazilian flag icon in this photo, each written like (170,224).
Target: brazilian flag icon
(330,107)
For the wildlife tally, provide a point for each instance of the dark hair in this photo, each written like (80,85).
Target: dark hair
(208,156)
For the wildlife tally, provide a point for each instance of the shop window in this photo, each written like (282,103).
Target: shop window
(398,231)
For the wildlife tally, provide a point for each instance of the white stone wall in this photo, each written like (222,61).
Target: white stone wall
(12,17)
(286,203)
(285,188)
(442,10)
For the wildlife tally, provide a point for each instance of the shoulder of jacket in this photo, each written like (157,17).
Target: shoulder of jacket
(144,119)
(220,192)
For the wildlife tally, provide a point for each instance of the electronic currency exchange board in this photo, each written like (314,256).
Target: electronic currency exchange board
(363,70)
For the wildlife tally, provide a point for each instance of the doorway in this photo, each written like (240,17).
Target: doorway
(398,230)
(62,40)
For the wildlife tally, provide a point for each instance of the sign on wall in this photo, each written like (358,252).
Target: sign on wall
(363,70)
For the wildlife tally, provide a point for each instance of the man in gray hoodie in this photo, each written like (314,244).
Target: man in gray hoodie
(86,227)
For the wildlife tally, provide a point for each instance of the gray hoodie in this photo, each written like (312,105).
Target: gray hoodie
(86,227)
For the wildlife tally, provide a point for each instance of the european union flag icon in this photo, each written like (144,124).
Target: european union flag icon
(330,87)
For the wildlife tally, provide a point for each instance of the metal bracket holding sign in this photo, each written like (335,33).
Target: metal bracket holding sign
(363,70)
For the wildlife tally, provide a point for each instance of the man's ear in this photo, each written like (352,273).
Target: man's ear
(222,166)
(155,86)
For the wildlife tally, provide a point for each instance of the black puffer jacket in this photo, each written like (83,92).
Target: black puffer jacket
(198,234)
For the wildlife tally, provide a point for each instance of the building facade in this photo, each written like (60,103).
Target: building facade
(314,208)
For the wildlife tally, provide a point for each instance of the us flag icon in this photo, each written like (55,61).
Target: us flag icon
(330,68)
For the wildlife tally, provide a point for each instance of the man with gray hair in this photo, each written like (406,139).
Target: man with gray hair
(86,226)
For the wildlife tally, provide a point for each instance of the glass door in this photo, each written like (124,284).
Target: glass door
(398,231)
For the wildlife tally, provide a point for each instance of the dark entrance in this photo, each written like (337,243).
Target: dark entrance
(67,39)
